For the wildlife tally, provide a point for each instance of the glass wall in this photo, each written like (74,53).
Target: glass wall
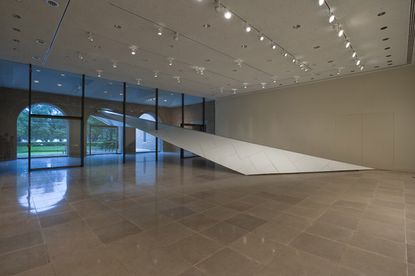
(170,112)
(55,119)
(59,116)
(103,136)
(141,103)
(14,85)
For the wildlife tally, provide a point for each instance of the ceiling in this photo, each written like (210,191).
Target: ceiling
(33,31)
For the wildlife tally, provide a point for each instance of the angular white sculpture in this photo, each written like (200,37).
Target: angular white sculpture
(243,157)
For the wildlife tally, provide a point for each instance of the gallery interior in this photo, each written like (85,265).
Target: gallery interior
(207,137)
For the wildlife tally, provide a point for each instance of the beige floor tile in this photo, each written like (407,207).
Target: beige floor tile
(53,220)
(22,260)
(277,232)
(411,253)
(296,222)
(382,230)
(228,263)
(246,222)
(330,231)
(372,264)
(258,248)
(44,270)
(384,247)
(220,213)
(116,231)
(341,219)
(239,206)
(198,222)
(177,212)
(102,220)
(322,247)
(192,272)
(20,241)
(195,248)
(224,232)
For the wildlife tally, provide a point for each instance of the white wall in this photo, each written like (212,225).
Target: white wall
(367,120)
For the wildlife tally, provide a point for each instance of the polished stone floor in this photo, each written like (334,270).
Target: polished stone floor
(195,218)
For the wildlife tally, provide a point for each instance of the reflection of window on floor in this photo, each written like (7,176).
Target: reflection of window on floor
(49,135)
(145,142)
(102,138)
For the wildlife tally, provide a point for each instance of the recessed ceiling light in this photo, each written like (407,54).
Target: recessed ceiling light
(59,84)
(16,40)
(274,47)
(36,81)
(295,27)
(388,55)
(17,16)
(227,15)
(248,28)
(384,28)
(261,38)
(381,13)
(316,47)
(62,74)
(385,39)
(105,91)
(387,48)
(330,61)
(52,3)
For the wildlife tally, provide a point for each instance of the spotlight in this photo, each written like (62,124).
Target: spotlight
(320,2)
(274,47)
(294,60)
(177,79)
(245,85)
(285,54)
(138,81)
(156,74)
(331,18)
(227,15)
(133,49)
(347,44)
(234,90)
(263,84)
(361,68)
(261,38)
(160,31)
(99,73)
(114,65)
(341,32)
(358,62)
(90,37)
(248,28)
(354,55)
(170,59)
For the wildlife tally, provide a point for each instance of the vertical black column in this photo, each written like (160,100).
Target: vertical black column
(29,122)
(124,97)
(83,121)
(182,125)
(204,114)
(157,122)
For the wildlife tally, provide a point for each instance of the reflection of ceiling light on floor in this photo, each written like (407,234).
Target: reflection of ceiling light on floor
(59,84)
(36,81)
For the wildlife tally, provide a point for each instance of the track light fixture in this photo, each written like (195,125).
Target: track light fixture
(261,38)
(321,2)
(358,62)
(234,90)
(90,37)
(340,33)
(274,46)
(248,28)
(177,79)
(160,31)
(263,84)
(227,14)
(156,74)
(139,81)
(354,54)
(114,64)
(170,59)
(133,49)
(99,73)
(331,18)
(347,44)
(245,85)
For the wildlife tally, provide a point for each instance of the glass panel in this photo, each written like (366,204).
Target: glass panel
(193,116)
(210,116)
(103,136)
(14,85)
(141,103)
(60,89)
(170,112)
(55,142)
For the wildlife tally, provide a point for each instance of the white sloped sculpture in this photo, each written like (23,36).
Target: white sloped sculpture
(243,157)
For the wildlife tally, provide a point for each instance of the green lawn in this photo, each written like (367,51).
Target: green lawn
(42,150)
